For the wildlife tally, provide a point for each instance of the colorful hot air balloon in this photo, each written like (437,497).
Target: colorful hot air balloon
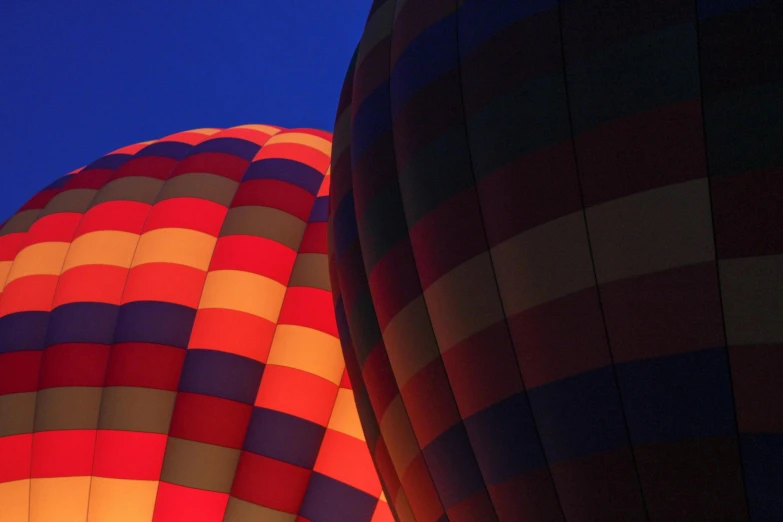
(557,257)
(168,349)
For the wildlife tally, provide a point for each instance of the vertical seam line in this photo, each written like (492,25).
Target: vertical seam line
(116,320)
(420,450)
(475,190)
(715,247)
(592,260)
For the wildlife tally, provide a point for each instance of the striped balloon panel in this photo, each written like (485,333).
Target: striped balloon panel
(557,258)
(168,348)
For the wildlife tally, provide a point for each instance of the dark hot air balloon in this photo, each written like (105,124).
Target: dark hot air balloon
(557,257)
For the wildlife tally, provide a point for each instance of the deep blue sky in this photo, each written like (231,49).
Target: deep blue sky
(80,78)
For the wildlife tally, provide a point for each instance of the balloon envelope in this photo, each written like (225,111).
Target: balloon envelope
(168,349)
(557,257)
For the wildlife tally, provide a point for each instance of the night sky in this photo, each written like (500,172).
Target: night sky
(79,79)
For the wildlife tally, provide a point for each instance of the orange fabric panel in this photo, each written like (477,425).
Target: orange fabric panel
(165,282)
(232,332)
(297,393)
(92,283)
(31,293)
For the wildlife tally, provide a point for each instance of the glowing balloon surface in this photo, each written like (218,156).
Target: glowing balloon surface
(168,348)
(557,256)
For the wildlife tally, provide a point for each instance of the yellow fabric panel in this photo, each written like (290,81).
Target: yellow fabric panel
(652,231)
(122,500)
(14,500)
(404,511)
(105,247)
(39,259)
(752,299)
(208,131)
(175,245)
(244,292)
(309,140)
(63,499)
(543,263)
(399,437)
(410,341)
(463,302)
(268,129)
(308,350)
(345,416)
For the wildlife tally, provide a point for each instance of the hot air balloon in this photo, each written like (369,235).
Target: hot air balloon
(168,348)
(557,258)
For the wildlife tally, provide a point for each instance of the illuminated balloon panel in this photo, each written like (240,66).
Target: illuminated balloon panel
(168,348)
(557,257)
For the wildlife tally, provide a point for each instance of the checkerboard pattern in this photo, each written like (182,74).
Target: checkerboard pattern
(557,257)
(168,347)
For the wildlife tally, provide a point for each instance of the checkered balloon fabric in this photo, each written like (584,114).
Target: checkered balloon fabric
(168,347)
